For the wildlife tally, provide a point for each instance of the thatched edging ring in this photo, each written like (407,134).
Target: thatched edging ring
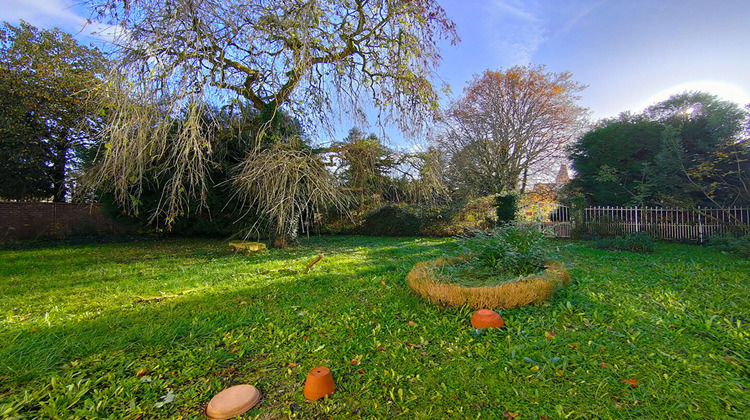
(424,279)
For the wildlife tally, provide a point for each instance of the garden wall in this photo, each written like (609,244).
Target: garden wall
(55,220)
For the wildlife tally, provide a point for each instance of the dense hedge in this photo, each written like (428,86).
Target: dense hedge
(507,207)
(422,220)
(391,221)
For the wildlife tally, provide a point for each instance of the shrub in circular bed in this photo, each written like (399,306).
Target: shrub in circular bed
(508,268)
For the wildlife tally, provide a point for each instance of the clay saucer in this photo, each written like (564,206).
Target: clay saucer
(232,402)
(486,318)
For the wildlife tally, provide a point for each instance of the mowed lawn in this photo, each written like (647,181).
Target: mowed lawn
(662,335)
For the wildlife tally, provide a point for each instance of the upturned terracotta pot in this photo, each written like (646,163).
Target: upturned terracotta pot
(232,402)
(319,383)
(485,318)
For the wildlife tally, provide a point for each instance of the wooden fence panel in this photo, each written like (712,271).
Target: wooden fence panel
(697,224)
(667,223)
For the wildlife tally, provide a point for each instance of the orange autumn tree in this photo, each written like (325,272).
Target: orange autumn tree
(508,125)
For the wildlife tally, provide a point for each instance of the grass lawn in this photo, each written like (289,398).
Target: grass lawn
(663,335)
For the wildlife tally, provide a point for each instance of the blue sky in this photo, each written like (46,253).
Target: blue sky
(631,53)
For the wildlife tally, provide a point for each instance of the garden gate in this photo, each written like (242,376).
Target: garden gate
(551,217)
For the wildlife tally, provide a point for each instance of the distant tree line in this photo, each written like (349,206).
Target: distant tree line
(47,124)
(211,135)
(690,150)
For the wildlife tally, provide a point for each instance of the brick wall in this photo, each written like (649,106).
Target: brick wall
(57,220)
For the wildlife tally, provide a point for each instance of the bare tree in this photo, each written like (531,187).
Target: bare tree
(314,59)
(508,124)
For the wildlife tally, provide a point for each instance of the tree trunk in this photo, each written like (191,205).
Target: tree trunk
(58,169)
(525,177)
(290,235)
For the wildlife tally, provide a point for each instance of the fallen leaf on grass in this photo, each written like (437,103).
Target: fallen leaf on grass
(292,364)
(355,362)
(550,335)
(543,417)
(632,382)
(382,282)
(412,323)
(416,346)
(381,348)
(361,372)
(165,400)
(142,372)
(509,416)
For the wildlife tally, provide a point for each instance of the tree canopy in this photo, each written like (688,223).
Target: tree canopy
(311,60)
(691,149)
(46,122)
(508,124)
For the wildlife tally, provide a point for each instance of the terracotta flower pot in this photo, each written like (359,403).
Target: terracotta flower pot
(485,318)
(232,402)
(319,383)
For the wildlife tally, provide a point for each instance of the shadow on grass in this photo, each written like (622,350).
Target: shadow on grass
(348,280)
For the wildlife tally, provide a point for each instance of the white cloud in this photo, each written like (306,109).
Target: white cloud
(62,14)
(514,30)
(573,21)
(43,14)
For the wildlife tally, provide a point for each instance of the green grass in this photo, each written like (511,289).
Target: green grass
(72,340)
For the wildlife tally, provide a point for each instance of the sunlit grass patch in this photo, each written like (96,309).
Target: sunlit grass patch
(73,339)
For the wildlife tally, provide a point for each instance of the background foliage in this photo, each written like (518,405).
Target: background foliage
(689,150)
(47,122)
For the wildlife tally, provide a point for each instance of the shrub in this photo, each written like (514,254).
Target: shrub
(415,220)
(458,218)
(736,245)
(507,251)
(507,207)
(635,242)
(391,221)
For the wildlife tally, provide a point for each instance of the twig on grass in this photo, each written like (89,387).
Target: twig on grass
(315,261)
(158,298)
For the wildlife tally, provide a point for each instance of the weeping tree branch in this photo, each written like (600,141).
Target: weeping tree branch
(284,182)
(314,60)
